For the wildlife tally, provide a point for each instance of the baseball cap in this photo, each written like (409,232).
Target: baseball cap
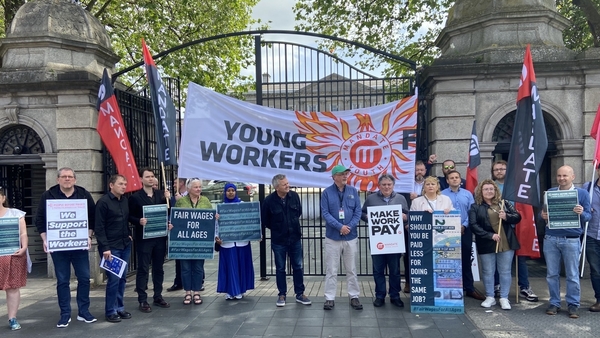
(339,169)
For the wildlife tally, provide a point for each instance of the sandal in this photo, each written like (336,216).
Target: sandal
(187,300)
(197,299)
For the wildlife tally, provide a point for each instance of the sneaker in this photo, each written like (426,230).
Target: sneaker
(238,297)
(552,310)
(355,303)
(505,304)
(573,311)
(64,321)
(202,287)
(88,318)
(302,299)
(497,290)
(529,295)
(229,297)
(488,302)
(280,301)
(14,325)
(329,304)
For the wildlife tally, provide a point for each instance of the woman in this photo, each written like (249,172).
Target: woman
(13,268)
(236,271)
(192,270)
(484,220)
(432,198)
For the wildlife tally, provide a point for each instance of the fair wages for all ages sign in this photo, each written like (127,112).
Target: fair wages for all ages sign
(67,224)
(386,229)
(225,138)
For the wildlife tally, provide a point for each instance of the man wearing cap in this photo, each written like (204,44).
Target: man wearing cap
(340,206)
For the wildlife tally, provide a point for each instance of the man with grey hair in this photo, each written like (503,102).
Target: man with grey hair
(386,196)
(62,260)
(280,213)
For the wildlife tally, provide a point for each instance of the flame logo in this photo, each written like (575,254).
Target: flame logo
(367,150)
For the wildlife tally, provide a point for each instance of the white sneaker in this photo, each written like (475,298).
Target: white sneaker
(504,304)
(489,302)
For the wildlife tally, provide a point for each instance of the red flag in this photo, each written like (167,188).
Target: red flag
(595,133)
(113,134)
(526,232)
(474,161)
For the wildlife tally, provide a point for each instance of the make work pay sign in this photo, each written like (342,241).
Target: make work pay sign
(386,229)
(193,234)
(435,262)
(67,224)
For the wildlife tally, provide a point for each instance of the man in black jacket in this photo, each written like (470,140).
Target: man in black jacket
(114,239)
(149,250)
(62,260)
(281,212)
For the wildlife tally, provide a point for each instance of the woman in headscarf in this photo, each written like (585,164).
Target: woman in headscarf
(485,216)
(236,271)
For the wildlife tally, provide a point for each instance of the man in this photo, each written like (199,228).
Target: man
(281,212)
(150,249)
(63,260)
(179,193)
(498,175)
(114,239)
(448,166)
(386,196)
(420,173)
(592,241)
(564,244)
(340,205)
(462,200)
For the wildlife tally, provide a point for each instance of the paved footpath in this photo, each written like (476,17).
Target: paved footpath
(257,316)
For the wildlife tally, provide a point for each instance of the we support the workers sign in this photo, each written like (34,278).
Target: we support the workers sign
(67,224)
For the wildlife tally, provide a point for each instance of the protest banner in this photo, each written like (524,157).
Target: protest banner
(157,224)
(67,224)
(10,239)
(193,234)
(386,229)
(239,222)
(560,205)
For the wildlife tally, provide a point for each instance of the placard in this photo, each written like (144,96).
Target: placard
(10,239)
(239,222)
(193,234)
(386,229)
(560,204)
(67,224)
(157,224)
(435,262)
(115,265)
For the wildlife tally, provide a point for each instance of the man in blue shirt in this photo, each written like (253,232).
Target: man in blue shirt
(565,244)
(462,200)
(340,205)
(592,241)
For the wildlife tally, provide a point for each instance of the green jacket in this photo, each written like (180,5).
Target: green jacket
(186,202)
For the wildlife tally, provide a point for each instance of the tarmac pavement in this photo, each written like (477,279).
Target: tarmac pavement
(257,316)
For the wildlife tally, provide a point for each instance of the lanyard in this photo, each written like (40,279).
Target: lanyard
(341,197)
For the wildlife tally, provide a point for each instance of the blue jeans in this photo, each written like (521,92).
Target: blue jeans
(62,269)
(567,249)
(115,286)
(592,252)
(294,251)
(192,274)
(392,261)
(501,261)
(523,274)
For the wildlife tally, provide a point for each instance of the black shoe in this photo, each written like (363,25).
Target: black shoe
(145,307)
(378,302)
(114,318)
(397,301)
(202,287)
(124,314)
(573,311)
(160,302)
(329,304)
(175,287)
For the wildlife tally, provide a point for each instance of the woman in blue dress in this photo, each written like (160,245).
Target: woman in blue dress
(236,271)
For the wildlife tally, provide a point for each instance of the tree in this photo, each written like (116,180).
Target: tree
(409,28)
(167,23)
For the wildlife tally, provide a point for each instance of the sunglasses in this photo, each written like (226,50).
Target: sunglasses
(448,167)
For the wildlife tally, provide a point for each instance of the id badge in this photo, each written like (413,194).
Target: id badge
(341,214)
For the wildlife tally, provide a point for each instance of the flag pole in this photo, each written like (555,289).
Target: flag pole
(500,227)
(517,275)
(591,192)
(162,168)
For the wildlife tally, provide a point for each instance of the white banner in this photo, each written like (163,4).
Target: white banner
(228,139)
(386,229)
(67,224)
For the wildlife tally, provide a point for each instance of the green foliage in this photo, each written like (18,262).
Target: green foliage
(167,23)
(578,36)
